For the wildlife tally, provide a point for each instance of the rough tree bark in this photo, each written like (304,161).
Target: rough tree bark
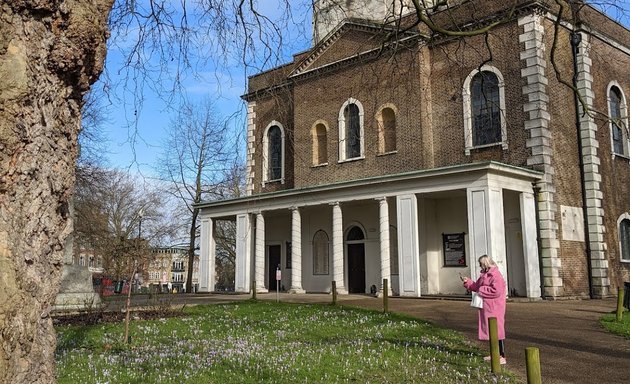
(51,51)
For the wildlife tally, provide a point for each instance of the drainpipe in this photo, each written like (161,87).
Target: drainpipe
(576,39)
(539,242)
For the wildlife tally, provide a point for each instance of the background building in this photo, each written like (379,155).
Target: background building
(168,270)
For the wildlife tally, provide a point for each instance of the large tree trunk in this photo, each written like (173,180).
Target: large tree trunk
(50,53)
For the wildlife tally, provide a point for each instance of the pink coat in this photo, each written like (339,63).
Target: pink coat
(491,287)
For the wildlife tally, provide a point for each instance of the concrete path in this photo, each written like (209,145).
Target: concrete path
(574,348)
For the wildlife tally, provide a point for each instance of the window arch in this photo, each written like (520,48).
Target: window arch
(351,130)
(320,253)
(386,121)
(355,234)
(484,108)
(319,134)
(273,153)
(618,114)
(623,227)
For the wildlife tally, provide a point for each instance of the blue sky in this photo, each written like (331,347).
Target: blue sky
(137,110)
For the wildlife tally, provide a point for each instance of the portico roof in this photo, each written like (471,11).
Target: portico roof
(422,181)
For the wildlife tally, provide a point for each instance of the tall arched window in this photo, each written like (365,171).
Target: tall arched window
(618,120)
(484,108)
(320,253)
(320,144)
(351,130)
(623,224)
(273,153)
(386,120)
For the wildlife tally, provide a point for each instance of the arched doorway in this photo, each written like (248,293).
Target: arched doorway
(355,241)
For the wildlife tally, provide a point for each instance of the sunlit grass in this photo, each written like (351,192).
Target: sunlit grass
(257,342)
(621,328)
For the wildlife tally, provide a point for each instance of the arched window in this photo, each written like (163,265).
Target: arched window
(273,153)
(320,143)
(320,253)
(386,120)
(623,224)
(484,109)
(618,120)
(351,130)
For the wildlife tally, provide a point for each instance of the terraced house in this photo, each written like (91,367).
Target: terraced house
(404,144)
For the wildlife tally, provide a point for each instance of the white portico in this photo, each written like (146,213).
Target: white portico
(418,230)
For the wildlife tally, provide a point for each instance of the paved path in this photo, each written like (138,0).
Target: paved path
(574,348)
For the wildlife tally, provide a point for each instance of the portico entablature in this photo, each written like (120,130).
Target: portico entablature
(418,182)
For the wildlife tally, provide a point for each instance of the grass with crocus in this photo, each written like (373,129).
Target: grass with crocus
(267,342)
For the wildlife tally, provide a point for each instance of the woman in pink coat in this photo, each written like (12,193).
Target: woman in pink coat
(491,287)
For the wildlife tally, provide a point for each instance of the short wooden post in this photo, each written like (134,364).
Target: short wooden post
(254,290)
(494,345)
(334,292)
(620,305)
(532,361)
(385,296)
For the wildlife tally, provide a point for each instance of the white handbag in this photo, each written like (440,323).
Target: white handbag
(476,301)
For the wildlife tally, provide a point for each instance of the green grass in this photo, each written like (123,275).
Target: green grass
(621,328)
(266,342)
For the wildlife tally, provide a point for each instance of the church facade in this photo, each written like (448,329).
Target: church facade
(391,151)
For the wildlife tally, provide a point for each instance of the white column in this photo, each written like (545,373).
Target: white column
(243,254)
(260,253)
(530,247)
(207,256)
(296,251)
(337,235)
(486,227)
(383,210)
(408,245)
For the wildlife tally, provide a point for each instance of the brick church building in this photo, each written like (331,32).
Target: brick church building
(391,150)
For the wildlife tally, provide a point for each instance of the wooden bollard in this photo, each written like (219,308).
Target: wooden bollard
(254,290)
(495,362)
(532,361)
(620,305)
(385,296)
(334,292)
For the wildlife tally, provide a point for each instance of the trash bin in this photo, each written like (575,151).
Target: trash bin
(118,287)
(626,295)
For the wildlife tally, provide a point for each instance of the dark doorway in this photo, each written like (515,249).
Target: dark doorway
(272,265)
(356,268)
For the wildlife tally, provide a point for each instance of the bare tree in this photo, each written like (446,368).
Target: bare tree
(118,218)
(195,155)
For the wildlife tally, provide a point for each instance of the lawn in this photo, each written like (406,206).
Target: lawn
(621,328)
(267,342)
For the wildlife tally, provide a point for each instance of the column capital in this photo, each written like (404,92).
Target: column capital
(334,204)
(294,208)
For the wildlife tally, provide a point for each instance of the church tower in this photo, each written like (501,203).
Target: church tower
(328,14)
